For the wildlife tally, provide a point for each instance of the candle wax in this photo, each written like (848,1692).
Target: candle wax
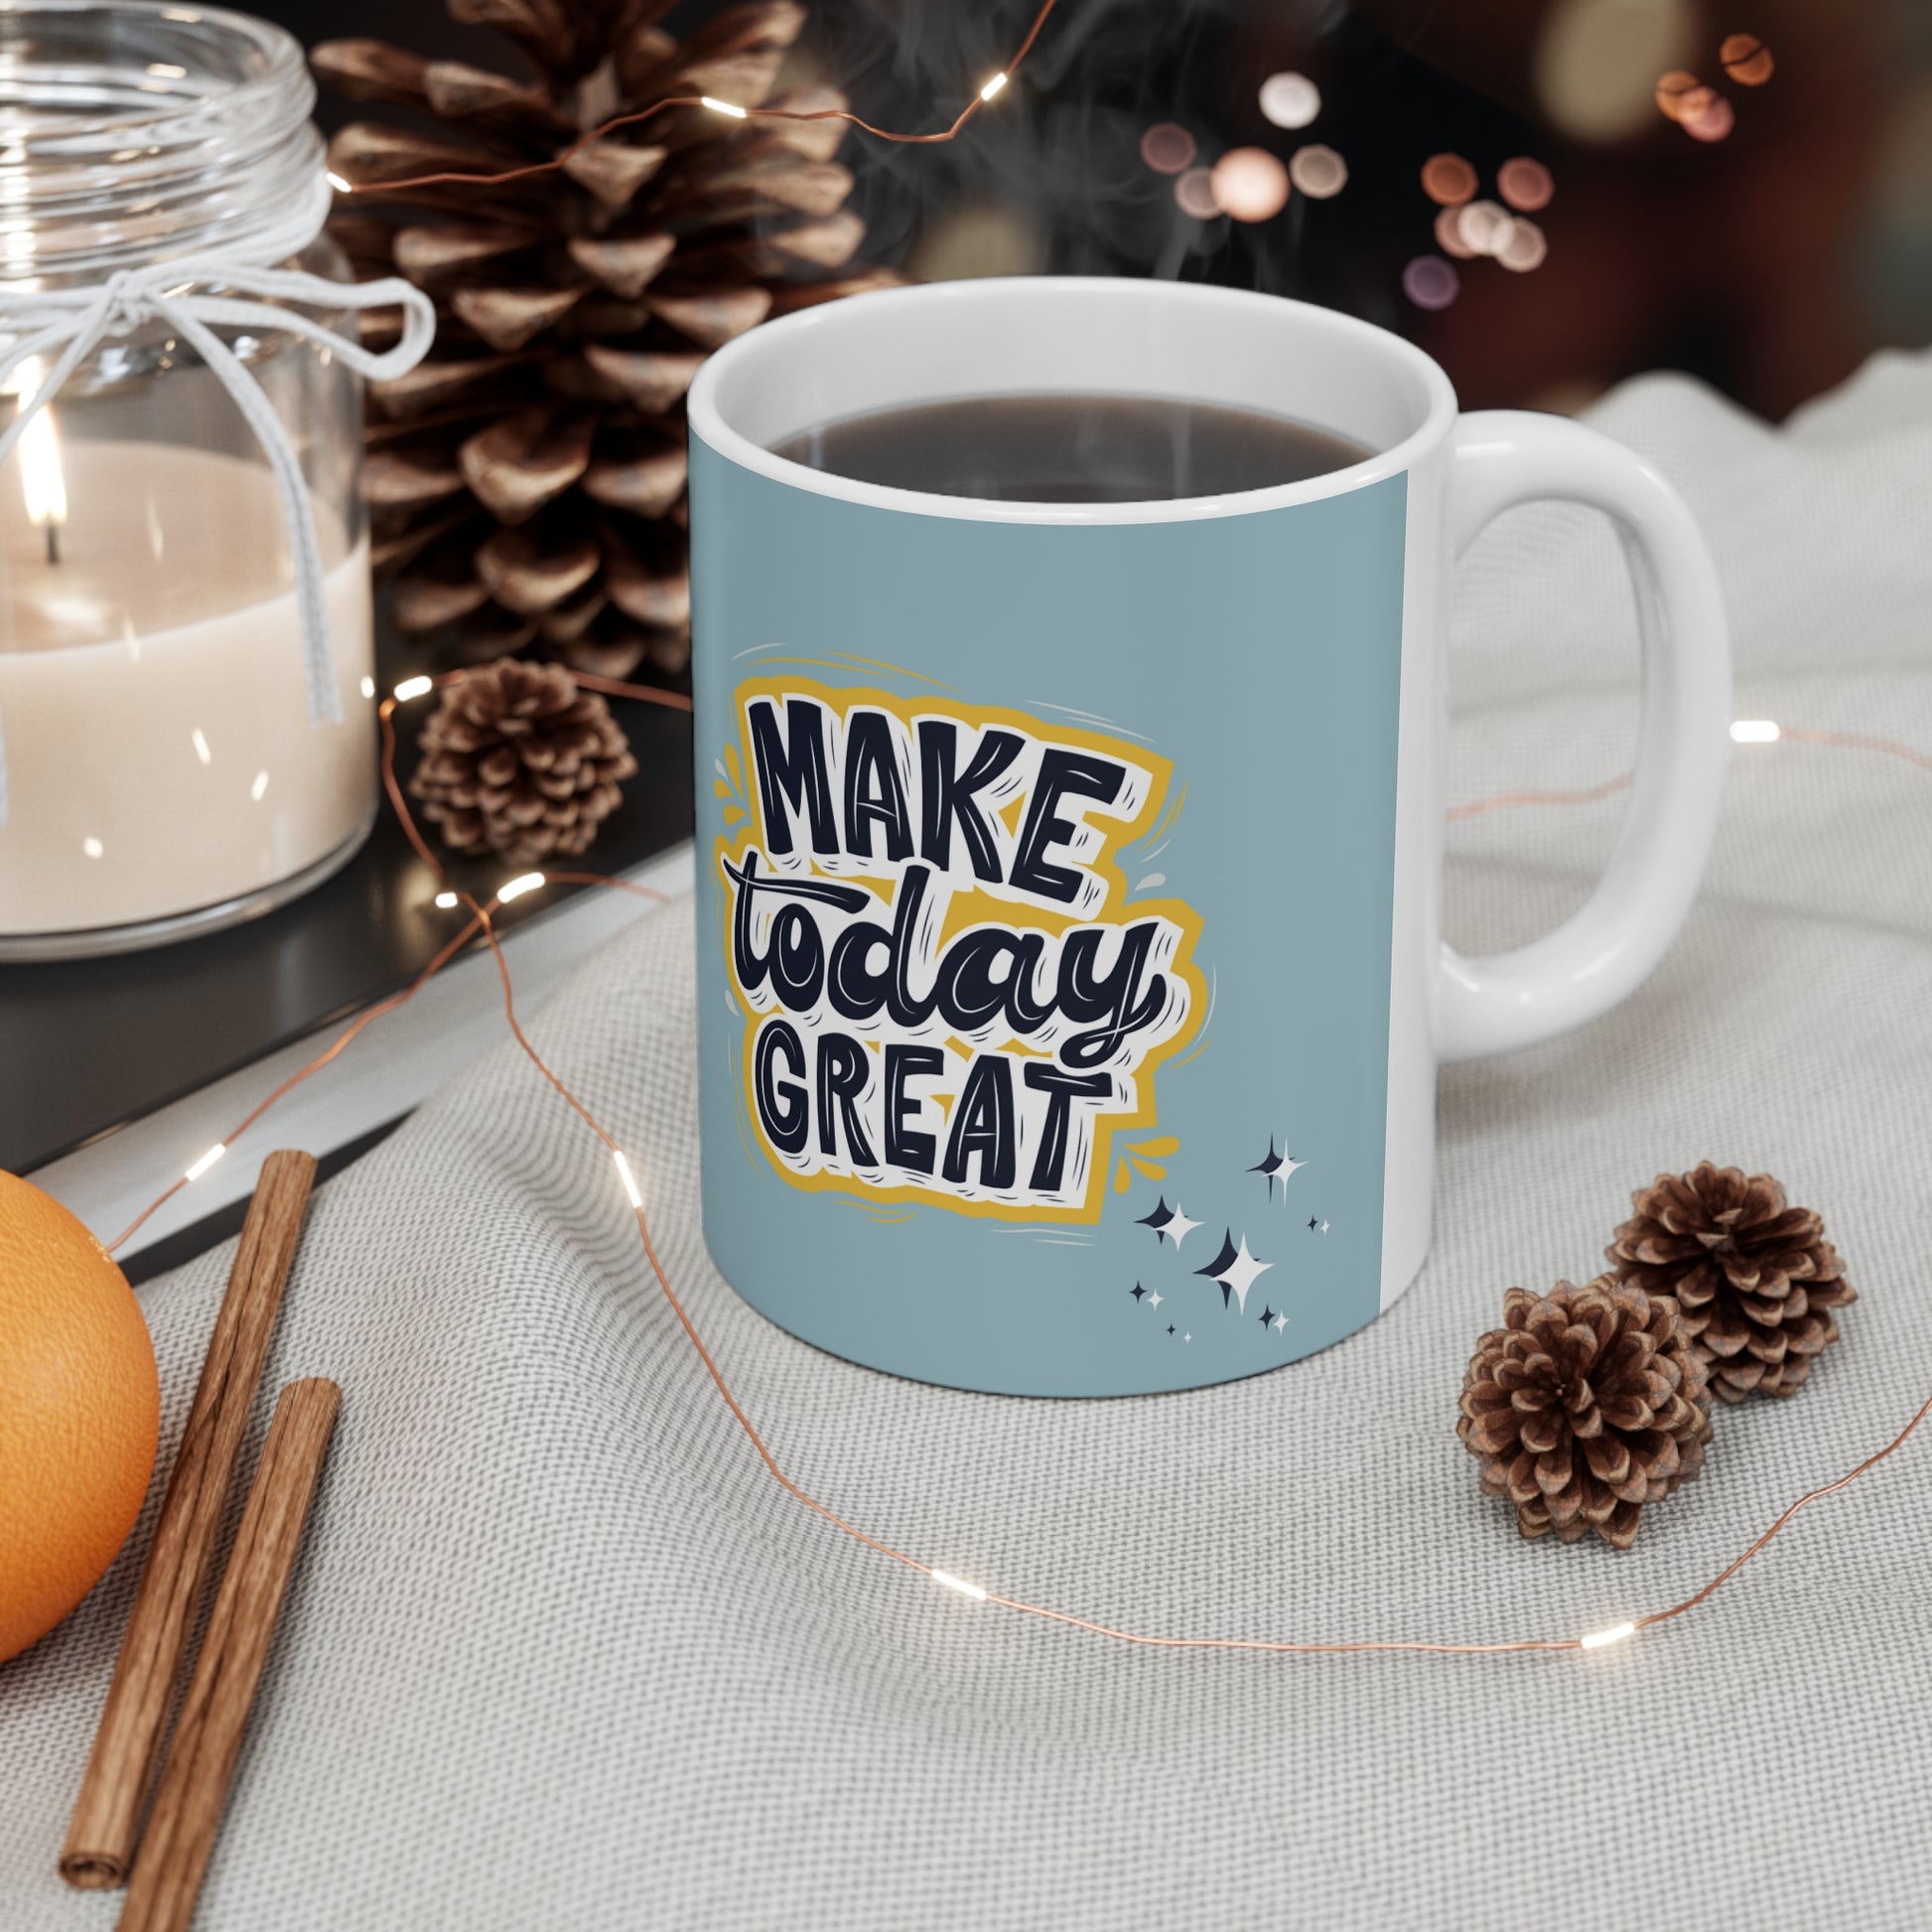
(152,693)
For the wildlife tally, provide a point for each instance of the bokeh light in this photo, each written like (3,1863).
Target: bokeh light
(1672,90)
(1709,119)
(1290,99)
(1525,184)
(1249,184)
(1168,148)
(1484,226)
(1449,233)
(1194,190)
(1525,247)
(1317,172)
(1430,283)
(1448,178)
(1747,60)
(1693,101)
(1595,63)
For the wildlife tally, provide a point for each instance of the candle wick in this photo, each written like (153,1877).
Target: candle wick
(53,541)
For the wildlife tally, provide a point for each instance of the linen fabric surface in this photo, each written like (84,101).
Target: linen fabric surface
(560,1652)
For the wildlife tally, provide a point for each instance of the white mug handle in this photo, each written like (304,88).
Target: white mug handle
(1600,955)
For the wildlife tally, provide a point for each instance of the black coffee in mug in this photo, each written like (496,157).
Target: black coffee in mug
(1071,449)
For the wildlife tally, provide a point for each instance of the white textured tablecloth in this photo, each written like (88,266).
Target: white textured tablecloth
(560,1654)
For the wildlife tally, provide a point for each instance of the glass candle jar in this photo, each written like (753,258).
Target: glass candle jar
(167,767)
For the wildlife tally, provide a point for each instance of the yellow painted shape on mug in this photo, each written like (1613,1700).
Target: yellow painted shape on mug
(1115,907)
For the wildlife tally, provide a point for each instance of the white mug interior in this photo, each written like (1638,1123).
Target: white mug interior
(1041,335)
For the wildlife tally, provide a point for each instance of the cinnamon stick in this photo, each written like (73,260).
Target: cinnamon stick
(193,1787)
(106,1817)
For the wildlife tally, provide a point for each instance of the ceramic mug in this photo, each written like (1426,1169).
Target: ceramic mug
(1070,978)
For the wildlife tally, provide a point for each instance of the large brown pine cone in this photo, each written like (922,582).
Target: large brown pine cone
(527,479)
(521,762)
(1586,1405)
(1756,1279)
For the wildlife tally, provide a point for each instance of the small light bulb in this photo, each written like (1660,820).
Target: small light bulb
(1754,731)
(413,687)
(259,786)
(202,750)
(445,901)
(1614,1634)
(723,108)
(525,881)
(369,687)
(629,1178)
(949,1582)
(993,87)
(341,186)
(207,1160)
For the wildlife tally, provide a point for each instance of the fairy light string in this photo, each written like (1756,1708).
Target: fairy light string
(410,688)
(1745,731)
(481,922)
(732,110)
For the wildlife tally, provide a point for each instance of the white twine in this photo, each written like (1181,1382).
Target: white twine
(71,323)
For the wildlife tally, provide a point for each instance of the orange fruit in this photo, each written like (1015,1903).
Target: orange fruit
(80,1411)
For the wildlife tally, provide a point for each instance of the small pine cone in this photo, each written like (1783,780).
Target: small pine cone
(1756,1278)
(1586,1404)
(521,762)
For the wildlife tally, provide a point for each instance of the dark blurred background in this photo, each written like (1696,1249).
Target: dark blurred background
(1769,257)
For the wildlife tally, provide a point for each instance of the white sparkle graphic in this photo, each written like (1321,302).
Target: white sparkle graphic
(1236,1270)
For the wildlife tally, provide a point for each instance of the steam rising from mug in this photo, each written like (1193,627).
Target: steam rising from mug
(1060,186)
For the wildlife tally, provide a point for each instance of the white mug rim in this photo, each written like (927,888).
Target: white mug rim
(707,414)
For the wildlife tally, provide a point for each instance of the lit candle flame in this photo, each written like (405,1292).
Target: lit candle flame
(41,481)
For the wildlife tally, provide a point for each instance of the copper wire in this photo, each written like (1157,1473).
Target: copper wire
(1810,1496)
(1788,734)
(1506,800)
(674,700)
(482,921)
(342,1040)
(631,119)
(1855,741)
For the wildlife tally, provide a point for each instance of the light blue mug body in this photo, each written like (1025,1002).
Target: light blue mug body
(1065,907)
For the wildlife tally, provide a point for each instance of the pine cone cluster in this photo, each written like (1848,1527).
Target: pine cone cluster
(518,761)
(526,481)
(1756,1278)
(1586,1405)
